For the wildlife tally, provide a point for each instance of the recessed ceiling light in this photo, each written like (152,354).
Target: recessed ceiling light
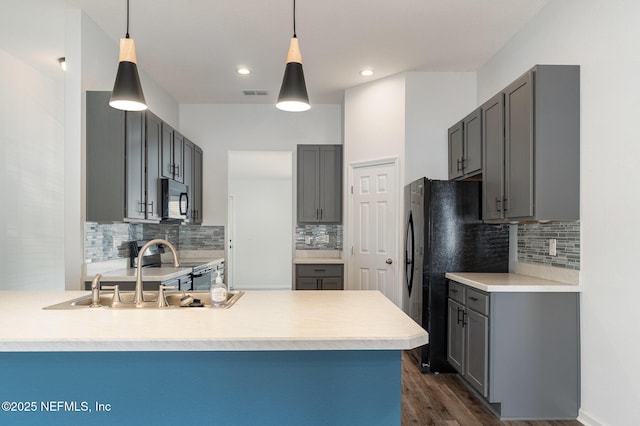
(366,72)
(243,71)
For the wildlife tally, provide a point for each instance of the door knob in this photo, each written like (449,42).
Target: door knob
(389,261)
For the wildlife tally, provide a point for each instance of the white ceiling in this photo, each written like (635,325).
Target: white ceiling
(193,47)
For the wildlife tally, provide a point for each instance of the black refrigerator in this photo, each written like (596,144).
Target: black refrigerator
(444,232)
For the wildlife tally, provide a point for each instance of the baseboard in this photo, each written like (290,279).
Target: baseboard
(587,420)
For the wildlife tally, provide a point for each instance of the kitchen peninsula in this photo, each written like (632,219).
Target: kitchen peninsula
(276,357)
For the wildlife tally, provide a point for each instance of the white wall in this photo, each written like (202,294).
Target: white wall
(434,102)
(32,174)
(374,120)
(602,37)
(220,128)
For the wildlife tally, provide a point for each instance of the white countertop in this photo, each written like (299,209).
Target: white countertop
(258,321)
(505,282)
(318,260)
(162,273)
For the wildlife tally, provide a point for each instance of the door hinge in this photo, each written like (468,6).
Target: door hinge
(351,250)
(352,189)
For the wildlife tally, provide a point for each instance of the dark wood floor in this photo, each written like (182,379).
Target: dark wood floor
(443,400)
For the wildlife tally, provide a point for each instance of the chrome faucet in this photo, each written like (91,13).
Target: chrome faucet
(95,291)
(139,296)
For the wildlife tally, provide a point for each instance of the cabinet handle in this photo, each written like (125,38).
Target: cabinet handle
(464,317)
(317,213)
(177,172)
(475,299)
(151,204)
(453,290)
(498,204)
(140,208)
(321,213)
(459,319)
(459,162)
(505,204)
(463,161)
(319,270)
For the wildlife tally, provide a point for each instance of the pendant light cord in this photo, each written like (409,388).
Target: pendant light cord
(127,36)
(294,18)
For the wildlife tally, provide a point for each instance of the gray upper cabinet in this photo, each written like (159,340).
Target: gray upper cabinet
(532,147)
(456,150)
(192,161)
(124,162)
(319,184)
(465,147)
(105,159)
(187,160)
(142,165)
(172,154)
(121,162)
(197,185)
(493,144)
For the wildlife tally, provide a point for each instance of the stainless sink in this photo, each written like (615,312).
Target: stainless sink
(126,300)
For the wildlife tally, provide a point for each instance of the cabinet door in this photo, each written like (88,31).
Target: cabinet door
(331,284)
(455,335)
(153,165)
(135,168)
(179,168)
(166,154)
(187,163)
(330,190)
(105,157)
(472,135)
(493,146)
(306,283)
(308,183)
(197,185)
(456,147)
(477,350)
(519,148)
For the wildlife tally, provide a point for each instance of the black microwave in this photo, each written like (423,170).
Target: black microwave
(175,201)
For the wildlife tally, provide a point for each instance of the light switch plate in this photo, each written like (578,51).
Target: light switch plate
(552,247)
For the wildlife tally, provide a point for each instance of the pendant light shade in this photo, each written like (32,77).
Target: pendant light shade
(293,93)
(127,91)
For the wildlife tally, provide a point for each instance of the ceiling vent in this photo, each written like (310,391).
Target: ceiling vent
(257,92)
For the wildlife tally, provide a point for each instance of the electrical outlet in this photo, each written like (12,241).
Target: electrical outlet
(552,247)
(307,239)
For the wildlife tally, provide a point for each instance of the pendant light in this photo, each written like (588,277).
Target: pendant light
(127,91)
(293,93)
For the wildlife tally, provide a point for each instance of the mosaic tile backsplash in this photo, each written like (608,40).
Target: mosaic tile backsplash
(320,237)
(109,241)
(533,244)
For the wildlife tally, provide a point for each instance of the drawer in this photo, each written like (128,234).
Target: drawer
(477,301)
(319,270)
(456,291)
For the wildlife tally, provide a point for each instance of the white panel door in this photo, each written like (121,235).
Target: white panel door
(374,240)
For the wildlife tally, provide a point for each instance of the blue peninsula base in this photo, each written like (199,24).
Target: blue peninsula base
(185,388)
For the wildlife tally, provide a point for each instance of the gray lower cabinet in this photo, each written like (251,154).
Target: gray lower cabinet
(465,147)
(518,351)
(319,184)
(531,135)
(319,277)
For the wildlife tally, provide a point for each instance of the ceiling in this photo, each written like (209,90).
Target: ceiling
(193,47)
